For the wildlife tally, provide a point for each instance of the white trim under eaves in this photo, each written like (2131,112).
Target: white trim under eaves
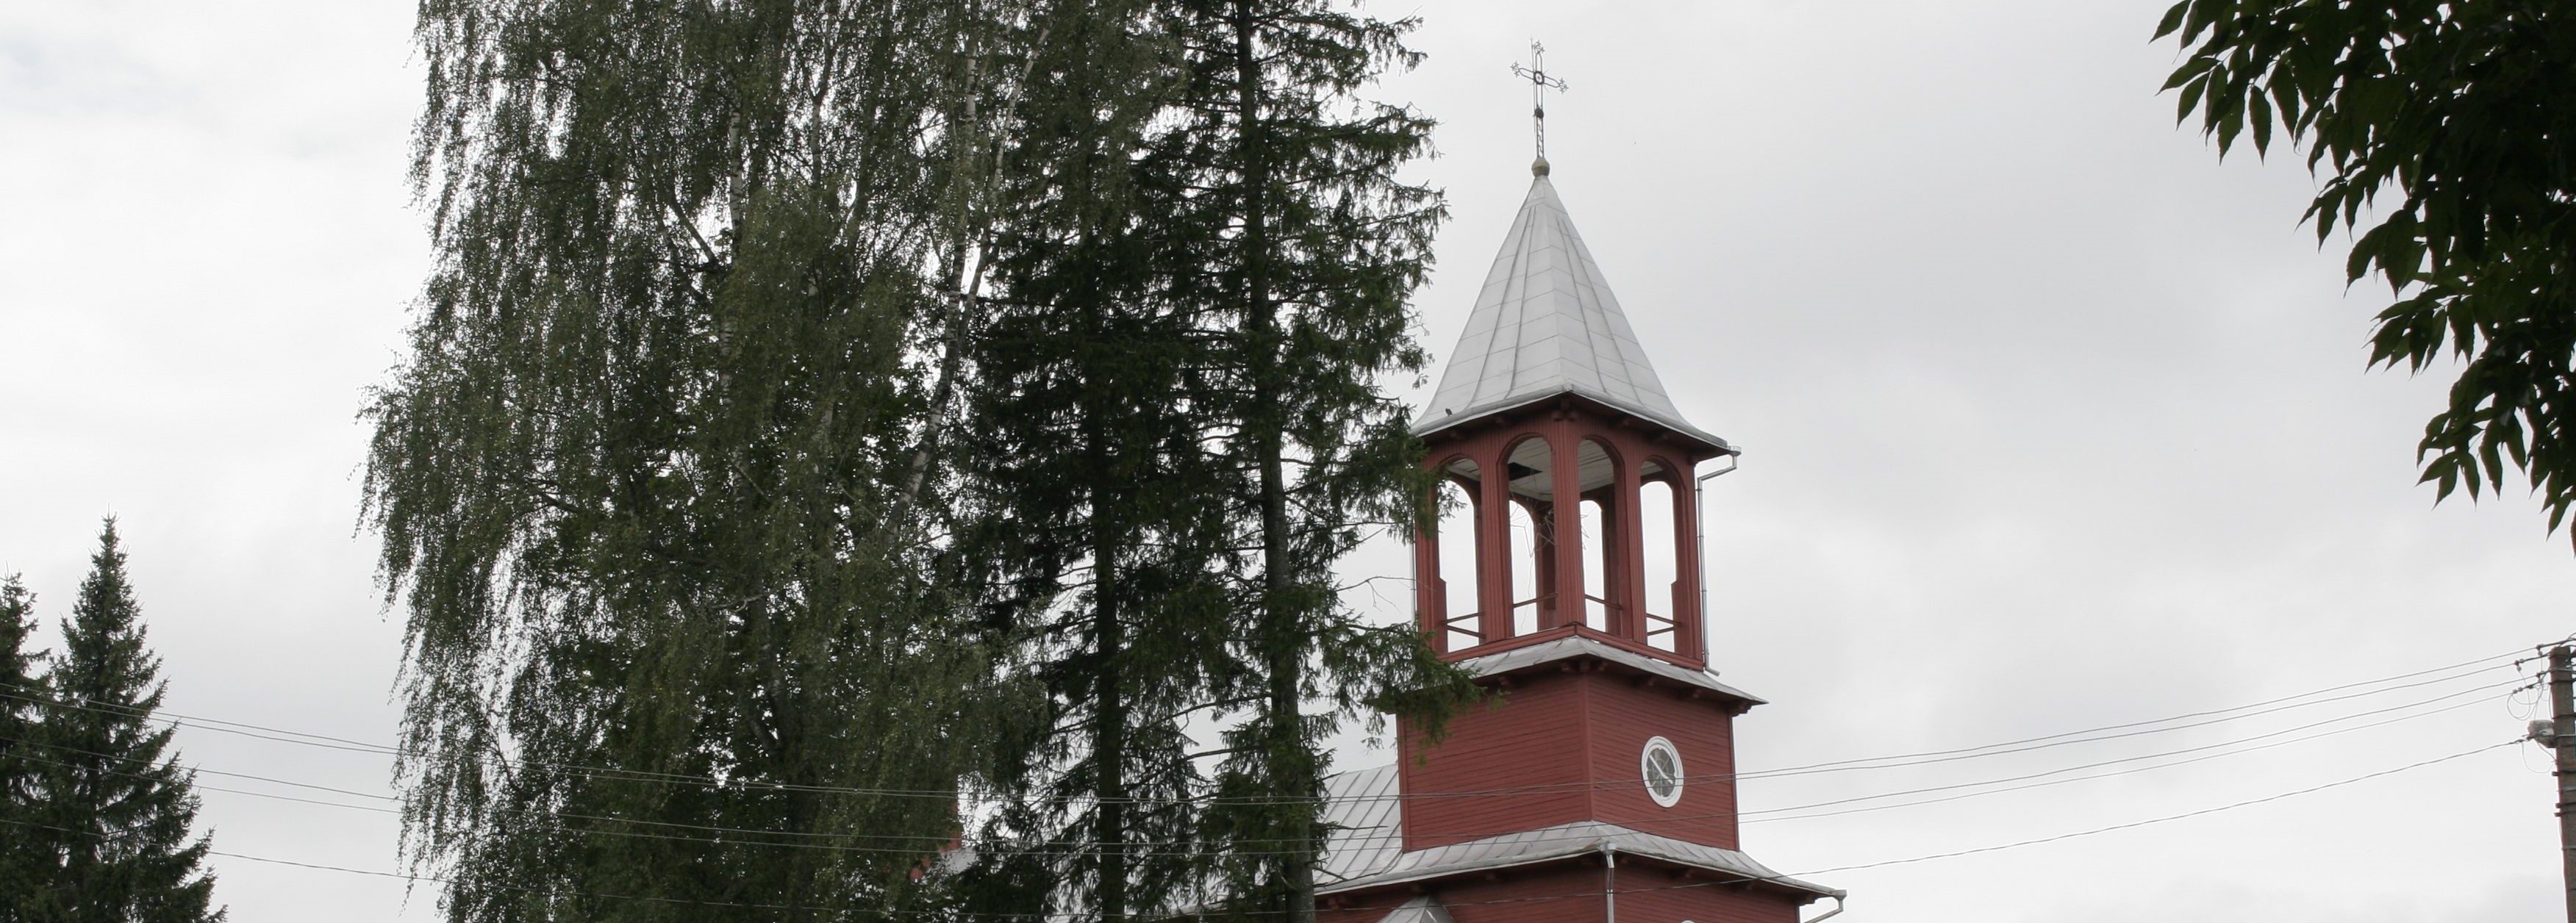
(1564,841)
(1522,658)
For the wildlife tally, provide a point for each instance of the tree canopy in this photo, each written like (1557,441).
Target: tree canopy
(684,636)
(1199,299)
(1307,245)
(113,813)
(2449,128)
(23,850)
(834,430)
(1092,445)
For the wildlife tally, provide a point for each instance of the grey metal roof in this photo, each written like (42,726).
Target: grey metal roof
(1565,841)
(1521,658)
(1365,812)
(1546,324)
(1418,910)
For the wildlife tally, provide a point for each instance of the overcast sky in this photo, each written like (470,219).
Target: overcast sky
(2052,422)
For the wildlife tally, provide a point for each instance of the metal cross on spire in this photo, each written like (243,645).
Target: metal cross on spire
(1540,82)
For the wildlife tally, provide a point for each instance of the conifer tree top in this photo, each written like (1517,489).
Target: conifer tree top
(103,640)
(116,808)
(1546,324)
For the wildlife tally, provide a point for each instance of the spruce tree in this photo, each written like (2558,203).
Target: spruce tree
(1306,247)
(116,808)
(22,694)
(1202,301)
(1095,450)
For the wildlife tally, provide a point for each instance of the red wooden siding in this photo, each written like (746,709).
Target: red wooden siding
(1576,736)
(1624,714)
(1533,738)
(1653,895)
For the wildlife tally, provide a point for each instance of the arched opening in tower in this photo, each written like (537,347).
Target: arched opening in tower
(1655,512)
(1533,533)
(1459,537)
(1602,507)
(1594,615)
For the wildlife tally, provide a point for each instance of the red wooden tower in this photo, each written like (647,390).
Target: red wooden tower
(1602,788)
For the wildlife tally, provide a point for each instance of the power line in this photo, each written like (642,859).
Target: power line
(1649,823)
(1749,816)
(2198,749)
(1987,849)
(931,842)
(1882,762)
(2171,817)
(1821,871)
(2101,775)
(210,788)
(2055,740)
(2014,845)
(1499,901)
(2200,714)
(193,767)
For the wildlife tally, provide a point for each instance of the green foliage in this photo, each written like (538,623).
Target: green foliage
(668,492)
(113,810)
(1308,246)
(2465,110)
(22,695)
(1095,458)
(1200,297)
(658,486)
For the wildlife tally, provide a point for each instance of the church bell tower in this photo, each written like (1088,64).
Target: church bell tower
(1609,754)
(1564,577)
(1550,410)
(1598,782)
(1557,436)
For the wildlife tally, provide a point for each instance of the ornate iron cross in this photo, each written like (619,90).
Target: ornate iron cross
(1540,82)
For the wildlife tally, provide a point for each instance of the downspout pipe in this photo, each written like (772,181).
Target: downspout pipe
(1699,542)
(1610,882)
(1838,907)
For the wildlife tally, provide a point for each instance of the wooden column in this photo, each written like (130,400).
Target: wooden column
(1690,637)
(1625,512)
(1567,496)
(1494,542)
(1430,586)
(1614,614)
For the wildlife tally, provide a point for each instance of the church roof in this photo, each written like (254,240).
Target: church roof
(1421,909)
(1577,645)
(1364,812)
(1546,324)
(1563,841)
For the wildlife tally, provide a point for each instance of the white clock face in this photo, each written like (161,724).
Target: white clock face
(1661,766)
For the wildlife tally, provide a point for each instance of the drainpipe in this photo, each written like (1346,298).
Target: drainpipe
(1609,882)
(1699,543)
(1838,907)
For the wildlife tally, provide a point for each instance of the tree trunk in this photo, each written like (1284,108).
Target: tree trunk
(1109,707)
(1280,624)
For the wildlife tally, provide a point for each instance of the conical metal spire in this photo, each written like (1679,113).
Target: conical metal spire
(1546,324)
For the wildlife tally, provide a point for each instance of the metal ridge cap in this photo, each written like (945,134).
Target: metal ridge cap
(1577,845)
(1586,837)
(1684,852)
(1578,645)
(1431,424)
